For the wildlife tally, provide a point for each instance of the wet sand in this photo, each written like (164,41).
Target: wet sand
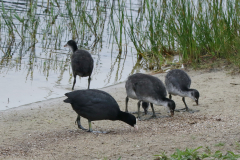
(47,130)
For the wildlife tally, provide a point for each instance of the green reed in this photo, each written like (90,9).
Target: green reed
(6,16)
(189,28)
(134,31)
(118,26)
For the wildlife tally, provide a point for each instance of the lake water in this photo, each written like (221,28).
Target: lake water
(34,65)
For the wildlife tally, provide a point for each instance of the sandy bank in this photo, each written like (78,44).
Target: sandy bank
(46,130)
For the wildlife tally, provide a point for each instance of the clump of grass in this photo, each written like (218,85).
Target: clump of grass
(220,144)
(191,154)
(190,28)
(237,145)
(194,154)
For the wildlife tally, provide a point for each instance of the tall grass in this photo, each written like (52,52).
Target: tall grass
(191,28)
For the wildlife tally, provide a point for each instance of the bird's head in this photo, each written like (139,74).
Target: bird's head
(195,95)
(132,121)
(145,106)
(72,45)
(171,105)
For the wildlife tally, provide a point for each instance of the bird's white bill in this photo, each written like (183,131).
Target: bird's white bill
(136,127)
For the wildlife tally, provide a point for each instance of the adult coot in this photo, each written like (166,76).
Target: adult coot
(178,83)
(82,62)
(149,89)
(96,105)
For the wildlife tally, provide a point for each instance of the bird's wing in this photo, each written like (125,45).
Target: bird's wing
(178,79)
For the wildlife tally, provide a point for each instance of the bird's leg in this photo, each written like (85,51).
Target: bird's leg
(126,102)
(170,96)
(89,79)
(74,81)
(90,126)
(79,123)
(126,109)
(183,109)
(145,111)
(139,108)
(186,109)
(154,115)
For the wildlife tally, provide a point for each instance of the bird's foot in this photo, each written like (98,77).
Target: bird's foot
(143,113)
(151,117)
(186,110)
(154,116)
(133,112)
(98,132)
(79,125)
(148,113)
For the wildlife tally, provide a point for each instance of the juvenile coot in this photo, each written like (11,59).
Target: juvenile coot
(149,89)
(178,83)
(82,62)
(96,105)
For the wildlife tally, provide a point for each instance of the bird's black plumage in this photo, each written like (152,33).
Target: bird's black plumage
(96,105)
(178,83)
(148,88)
(81,61)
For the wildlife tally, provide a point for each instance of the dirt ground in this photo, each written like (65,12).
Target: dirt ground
(47,130)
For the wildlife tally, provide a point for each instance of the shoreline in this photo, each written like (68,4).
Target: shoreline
(29,105)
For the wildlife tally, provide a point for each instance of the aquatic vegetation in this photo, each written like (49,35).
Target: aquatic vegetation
(192,29)
(156,29)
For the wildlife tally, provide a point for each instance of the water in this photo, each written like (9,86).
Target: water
(34,65)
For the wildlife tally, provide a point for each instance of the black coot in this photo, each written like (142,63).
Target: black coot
(178,83)
(96,105)
(147,88)
(82,62)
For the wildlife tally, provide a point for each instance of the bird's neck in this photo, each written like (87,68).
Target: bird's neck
(189,93)
(190,90)
(123,116)
(74,48)
(164,102)
(185,89)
